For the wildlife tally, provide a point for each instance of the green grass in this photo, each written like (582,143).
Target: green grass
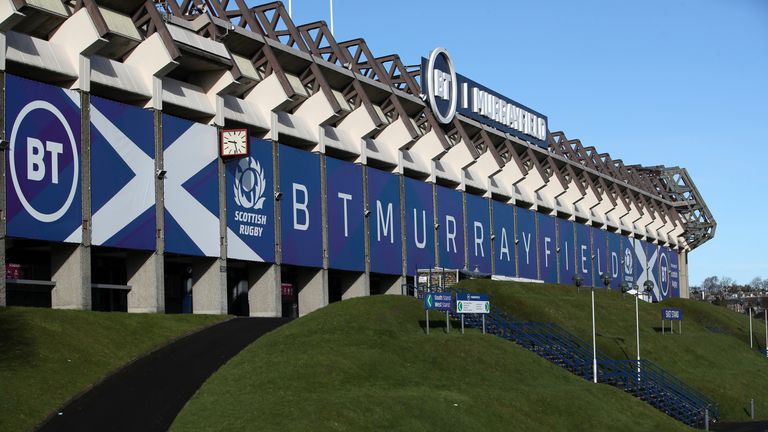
(721,365)
(48,356)
(366,364)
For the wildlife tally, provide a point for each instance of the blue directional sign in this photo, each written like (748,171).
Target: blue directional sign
(437,301)
(672,314)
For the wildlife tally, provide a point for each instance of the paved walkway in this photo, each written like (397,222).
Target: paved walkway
(148,394)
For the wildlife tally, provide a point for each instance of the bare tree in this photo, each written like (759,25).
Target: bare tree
(711,284)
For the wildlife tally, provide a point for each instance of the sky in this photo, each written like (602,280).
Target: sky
(676,83)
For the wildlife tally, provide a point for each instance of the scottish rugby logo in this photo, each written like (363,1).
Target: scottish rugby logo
(249,184)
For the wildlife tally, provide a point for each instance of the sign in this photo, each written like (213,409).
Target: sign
(473,303)
(300,207)
(449,93)
(450,227)
(420,232)
(191,188)
(437,301)
(44,197)
(346,226)
(250,204)
(504,239)
(525,243)
(672,314)
(565,251)
(478,234)
(547,248)
(122,176)
(385,222)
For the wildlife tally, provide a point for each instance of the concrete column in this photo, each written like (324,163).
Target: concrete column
(3,206)
(313,290)
(145,276)
(359,286)
(264,290)
(209,287)
(71,270)
(397,286)
(683,274)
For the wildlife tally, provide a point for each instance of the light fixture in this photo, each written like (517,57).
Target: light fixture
(161,174)
(278,195)
(367,213)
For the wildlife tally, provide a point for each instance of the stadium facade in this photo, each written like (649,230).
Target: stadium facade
(207,157)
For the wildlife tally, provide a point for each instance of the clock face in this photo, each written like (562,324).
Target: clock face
(234,142)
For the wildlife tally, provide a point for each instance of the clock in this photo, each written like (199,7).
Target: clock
(234,142)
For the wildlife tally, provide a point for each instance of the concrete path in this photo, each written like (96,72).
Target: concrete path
(148,394)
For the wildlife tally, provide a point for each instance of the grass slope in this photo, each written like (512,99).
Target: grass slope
(366,364)
(48,356)
(716,361)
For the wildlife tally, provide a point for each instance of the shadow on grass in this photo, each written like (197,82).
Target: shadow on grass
(439,324)
(15,345)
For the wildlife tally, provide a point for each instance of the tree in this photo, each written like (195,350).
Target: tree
(711,284)
(757,283)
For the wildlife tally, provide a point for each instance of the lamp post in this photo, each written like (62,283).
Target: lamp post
(578,280)
(606,280)
(745,305)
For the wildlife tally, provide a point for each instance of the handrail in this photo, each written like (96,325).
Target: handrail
(643,378)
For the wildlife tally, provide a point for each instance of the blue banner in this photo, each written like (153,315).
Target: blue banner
(674,274)
(385,230)
(250,193)
(43,192)
(566,257)
(300,207)
(122,176)
(599,250)
(504,239)
(615,261)
(525,242)
(650,272)
(191,186)
(629,257)
(346,227)
(664,268)
(450,233)
(478,233)
(419,219)
(584,255)
(547,248)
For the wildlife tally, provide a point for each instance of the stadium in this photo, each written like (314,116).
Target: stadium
(211,157)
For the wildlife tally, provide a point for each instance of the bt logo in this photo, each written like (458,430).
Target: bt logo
(664,270)
(43,155)
(442,84)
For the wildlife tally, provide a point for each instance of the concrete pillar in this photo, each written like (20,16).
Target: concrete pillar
(3,290)
(209,286)
(145,276)
(397,286)
(264,290)
(313,290)
(359,286)
(71,270)
(683,274)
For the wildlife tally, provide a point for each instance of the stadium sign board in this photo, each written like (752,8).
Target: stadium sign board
(449,93)
(672,314)
(473,303)
(437,301)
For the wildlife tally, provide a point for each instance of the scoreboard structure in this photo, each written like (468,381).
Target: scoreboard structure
(209,157)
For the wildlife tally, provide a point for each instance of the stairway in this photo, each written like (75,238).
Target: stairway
(643,379)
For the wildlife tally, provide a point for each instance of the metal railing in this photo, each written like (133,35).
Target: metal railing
(643,379)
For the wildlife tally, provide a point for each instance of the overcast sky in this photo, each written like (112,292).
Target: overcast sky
(675,83)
